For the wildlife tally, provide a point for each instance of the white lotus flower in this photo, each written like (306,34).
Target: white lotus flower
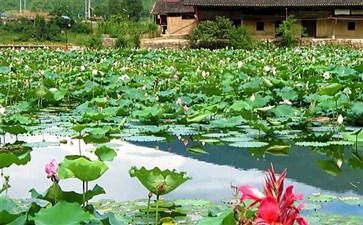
(94,72)
(340,119)
(253,97)
(179,101)
(239,64)
(326,75)
(266,68)
(2,110)
(83,68)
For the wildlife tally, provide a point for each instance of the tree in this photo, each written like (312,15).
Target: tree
(290,31)
(133,8)
(114,7)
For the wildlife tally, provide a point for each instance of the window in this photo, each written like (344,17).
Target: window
(351,25)
(260,26)
(188,16)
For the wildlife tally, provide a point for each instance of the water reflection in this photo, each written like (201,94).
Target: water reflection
(212,174)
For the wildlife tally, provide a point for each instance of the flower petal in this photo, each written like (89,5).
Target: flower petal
(250,192)
(268,209)
(301,221)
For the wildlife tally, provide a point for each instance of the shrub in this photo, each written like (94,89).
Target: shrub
(211,34)
(240,37)
(290,31)
(82,28)
(121,42)
(93,41)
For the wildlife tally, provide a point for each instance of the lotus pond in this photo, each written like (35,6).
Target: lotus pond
(221,116)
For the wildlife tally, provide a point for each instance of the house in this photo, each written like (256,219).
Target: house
(320,18)
(174,17)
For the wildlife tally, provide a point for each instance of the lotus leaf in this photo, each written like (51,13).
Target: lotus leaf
(15,153)
(55,194)
(7,210)
(331,89)
(229,122)
(82,168)
(105,153)
(63,213)
(145,138)
(197,150)
(323,198)
(159,182)
(248,144)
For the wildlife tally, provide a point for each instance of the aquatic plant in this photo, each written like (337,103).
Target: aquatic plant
(158,182)
(276,205)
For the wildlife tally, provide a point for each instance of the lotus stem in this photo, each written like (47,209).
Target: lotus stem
(157,210)
(84,193)
(148,209)
(79,144)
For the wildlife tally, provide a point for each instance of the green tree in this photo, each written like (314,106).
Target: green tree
(133,8)
(114,7)
(290,31)
(211,34)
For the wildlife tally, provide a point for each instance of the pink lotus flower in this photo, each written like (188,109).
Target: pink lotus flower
(276,207)
(52,171)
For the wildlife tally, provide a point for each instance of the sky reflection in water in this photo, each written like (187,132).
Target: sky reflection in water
(210,181)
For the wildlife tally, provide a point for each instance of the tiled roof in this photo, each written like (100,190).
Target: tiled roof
(171,6)
(274,3)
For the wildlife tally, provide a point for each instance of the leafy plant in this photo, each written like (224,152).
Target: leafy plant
(290,31)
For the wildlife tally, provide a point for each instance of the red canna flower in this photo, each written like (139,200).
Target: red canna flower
(276,207)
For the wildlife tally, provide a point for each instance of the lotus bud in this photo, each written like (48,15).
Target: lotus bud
(105,100)
(340,119)
(83,68)
(185,107)
(253,97)
(2,110)
(52,170)
(175,77)
(157,98)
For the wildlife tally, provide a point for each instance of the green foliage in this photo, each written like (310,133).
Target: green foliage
(82,28)
(241,38)
(93,41)
(221,33)
(211,34)
(290,31)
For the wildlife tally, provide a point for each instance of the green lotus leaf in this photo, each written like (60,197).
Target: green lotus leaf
(154,112)
(248,144)
(159,182)
(216,135)
(198,117)
(144,138)
(340,143)
(193,202)
(287,93)
(285,111)
(312,207)
(183,131)
(82,168)
(241,105)
(105,153)
(229,122)
(197,150)
(322,198)
(237,139)
(225,218)
(281,150)
(7,210)
(356,201)
(312,144)
(15,153)
(319,136)
(55,194)
(14,129)
(330,167)
(331,89)
(63,213)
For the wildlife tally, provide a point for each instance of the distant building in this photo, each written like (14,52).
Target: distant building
(320,18)
(174,17)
